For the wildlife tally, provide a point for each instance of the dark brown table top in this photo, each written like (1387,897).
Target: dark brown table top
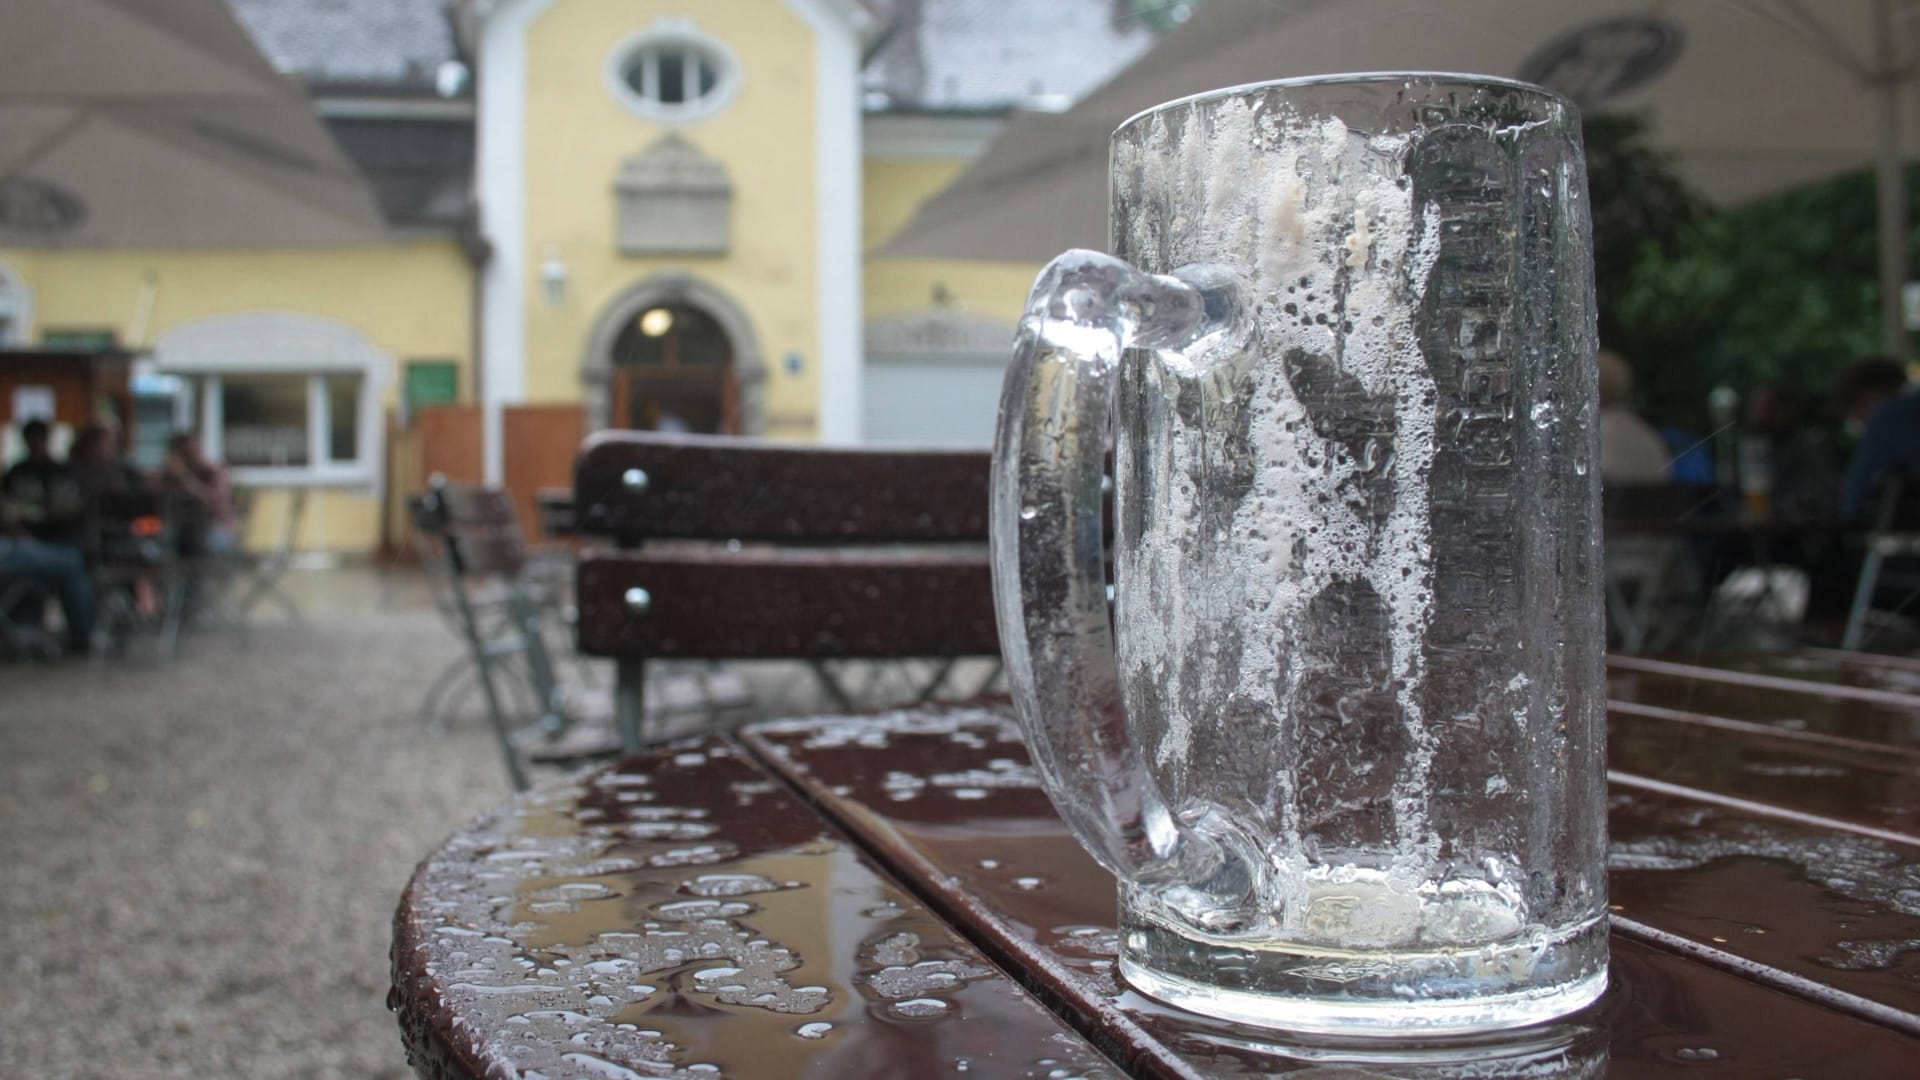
(893,895)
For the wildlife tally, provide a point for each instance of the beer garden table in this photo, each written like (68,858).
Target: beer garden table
(893,895)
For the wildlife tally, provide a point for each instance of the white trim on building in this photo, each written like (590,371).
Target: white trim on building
(501,188)
(16,308)
(837,178)
(356,108)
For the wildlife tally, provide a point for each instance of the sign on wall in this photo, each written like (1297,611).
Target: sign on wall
(430,382)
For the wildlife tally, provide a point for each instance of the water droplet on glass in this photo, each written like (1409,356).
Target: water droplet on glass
(816,1030)
(989,864)
(1696,1053)
(1028,513)
(920,1008)
(1028,884)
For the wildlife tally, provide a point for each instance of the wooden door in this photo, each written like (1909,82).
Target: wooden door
(673,371)
(538,444)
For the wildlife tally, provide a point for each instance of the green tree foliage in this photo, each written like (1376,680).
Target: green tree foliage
(1783,290)
(1640,207)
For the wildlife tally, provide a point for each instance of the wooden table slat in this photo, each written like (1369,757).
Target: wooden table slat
(1877,790)
(949,797)
(1907,757)
(1837,667)
(1849,718)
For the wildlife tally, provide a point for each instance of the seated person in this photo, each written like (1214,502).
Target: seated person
(96,462)
(46,496)
(1875,394)
(48,569)
(1631,451)
(210,522)
(102,473)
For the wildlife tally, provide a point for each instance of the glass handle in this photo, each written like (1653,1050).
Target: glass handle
(1049,578)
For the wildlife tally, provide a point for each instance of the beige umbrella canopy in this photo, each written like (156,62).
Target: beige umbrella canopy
(157,123)
(1752,96)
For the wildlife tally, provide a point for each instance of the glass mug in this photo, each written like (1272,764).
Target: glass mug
(1341,738)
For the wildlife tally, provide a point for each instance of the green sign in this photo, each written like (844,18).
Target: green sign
(80,340)
(431,382)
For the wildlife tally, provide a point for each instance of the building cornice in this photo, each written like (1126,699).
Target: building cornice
(929,135)
(394,108)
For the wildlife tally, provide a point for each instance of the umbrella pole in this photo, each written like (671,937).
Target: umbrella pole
(1891,177)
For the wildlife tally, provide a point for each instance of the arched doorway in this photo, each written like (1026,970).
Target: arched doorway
(673,372)
(673,345)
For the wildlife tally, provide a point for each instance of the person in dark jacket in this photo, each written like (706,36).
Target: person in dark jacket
(1876,395)
(44,493)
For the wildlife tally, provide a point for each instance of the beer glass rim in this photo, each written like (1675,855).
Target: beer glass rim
(1431,78)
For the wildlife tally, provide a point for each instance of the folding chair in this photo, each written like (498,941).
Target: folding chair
(23,639)
(484,559)
(136,545)
(739,549)
(261,576)
(1895,535)
(1650,576)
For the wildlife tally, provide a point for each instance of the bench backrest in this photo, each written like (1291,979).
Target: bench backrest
(809,552)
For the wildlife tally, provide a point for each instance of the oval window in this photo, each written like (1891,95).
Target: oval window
(676,75)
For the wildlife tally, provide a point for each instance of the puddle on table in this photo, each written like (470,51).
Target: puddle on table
(1839,907)
(579,936)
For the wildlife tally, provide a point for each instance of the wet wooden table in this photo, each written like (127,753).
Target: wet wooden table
(893,895)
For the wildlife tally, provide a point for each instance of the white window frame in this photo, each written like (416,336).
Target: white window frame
(320,468)
(286,343)
(677,33)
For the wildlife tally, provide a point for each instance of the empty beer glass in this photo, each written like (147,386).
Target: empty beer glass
(1340,736)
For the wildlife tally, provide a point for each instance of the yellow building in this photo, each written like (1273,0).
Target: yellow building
(649,213)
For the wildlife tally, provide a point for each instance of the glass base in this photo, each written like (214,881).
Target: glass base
(1389,995)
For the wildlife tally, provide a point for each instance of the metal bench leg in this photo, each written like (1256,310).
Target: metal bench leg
(173,614)
(630,703)
(939,679)
(993,674)
(832,685)
(1862,600)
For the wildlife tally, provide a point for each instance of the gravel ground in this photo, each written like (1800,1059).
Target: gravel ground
(201,860)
